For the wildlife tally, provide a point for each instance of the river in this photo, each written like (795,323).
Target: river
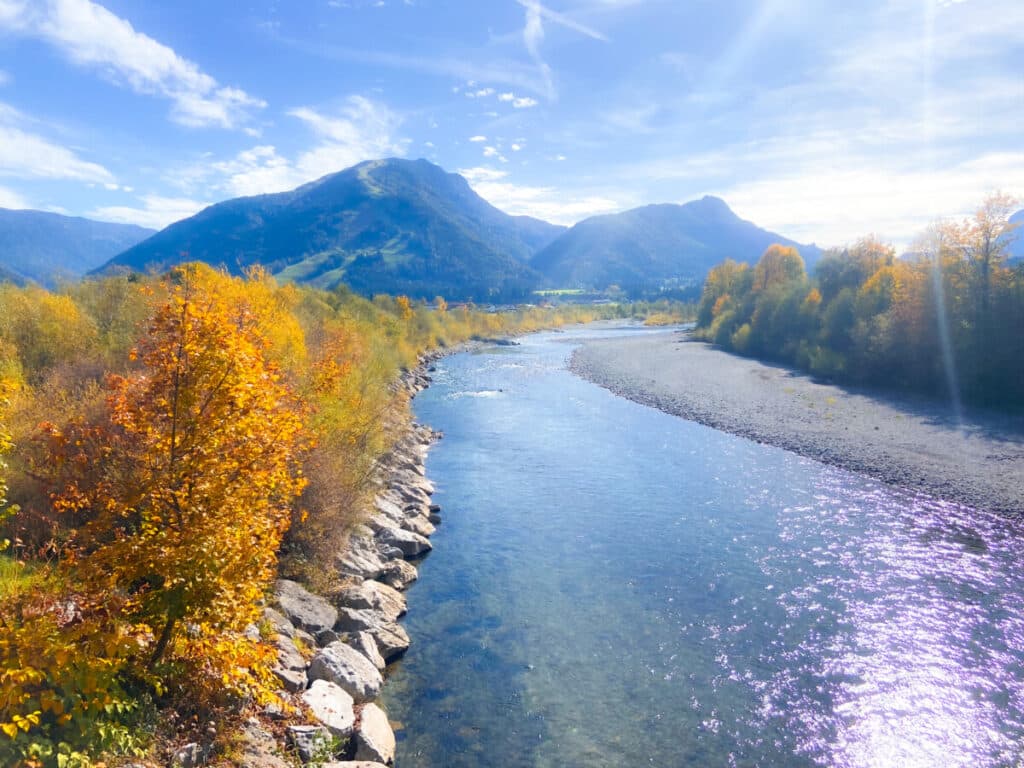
(616,586)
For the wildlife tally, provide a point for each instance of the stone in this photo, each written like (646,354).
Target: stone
(354,764)
(434,518)
(259,748)
(191,755)
(309,741)
(325,637)
(420,525)
(304,609)
(375,741)
(331,705)
(290,668)
(398,574)
(411,544)
(391,638)
(278,622)
(342,664)
(366,645)
(361,557)
(375,596)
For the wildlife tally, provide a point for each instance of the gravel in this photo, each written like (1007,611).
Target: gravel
(908,442)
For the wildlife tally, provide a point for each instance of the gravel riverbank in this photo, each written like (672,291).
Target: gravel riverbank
(912,443)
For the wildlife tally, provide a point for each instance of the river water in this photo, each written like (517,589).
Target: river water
(616,586)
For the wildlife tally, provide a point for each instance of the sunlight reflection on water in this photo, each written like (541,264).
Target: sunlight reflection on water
(613,585)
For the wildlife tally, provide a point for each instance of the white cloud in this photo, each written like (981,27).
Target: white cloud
(28,156)
(480,93)
(477,139)
(516,147)
(490,152)
(361,130)
(506,96)
(11,199)
(92,36)
(548,203)
(156,211)
(524,102)
(837,203)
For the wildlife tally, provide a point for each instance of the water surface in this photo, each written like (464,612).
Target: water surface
(616,586)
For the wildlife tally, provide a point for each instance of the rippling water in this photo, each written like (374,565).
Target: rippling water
(616,586)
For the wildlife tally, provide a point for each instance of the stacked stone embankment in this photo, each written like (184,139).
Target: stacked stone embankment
(333,650)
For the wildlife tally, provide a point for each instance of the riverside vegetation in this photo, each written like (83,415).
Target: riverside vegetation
(945,319)
(171,445)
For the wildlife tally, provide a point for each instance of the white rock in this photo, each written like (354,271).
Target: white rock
(344,665)
(375,740)
(331,706)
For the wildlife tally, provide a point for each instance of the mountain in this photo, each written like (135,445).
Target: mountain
(644,248)
(383,226)
(46,247)
(1017,246)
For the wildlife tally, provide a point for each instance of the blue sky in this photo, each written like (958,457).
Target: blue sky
(822,120)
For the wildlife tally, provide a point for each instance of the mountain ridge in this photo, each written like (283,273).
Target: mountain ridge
(382,226)
(643,247)
(45,247)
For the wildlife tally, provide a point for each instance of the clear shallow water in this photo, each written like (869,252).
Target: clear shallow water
(616,586)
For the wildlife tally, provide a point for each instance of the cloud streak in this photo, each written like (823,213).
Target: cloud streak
(93,37)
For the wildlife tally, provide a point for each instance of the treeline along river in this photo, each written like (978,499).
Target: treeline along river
(617,586)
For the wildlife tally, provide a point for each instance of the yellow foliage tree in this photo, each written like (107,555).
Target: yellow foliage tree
(187,490)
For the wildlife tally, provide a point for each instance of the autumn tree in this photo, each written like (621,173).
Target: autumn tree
(186,490)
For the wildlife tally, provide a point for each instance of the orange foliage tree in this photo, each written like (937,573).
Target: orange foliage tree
(186,493)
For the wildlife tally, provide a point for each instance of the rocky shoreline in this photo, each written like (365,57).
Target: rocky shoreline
(333,649)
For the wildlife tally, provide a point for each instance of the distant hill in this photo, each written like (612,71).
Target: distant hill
(383,226)
(46,247)
(1017,246)
(644,248)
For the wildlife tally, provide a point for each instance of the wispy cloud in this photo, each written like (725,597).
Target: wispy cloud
(26,155)
(155,211)
(11,199)
(549,203)
(91,36)
(361,129)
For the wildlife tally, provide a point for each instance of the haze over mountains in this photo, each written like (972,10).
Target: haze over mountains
(403,226)
(656,244)
(46,247)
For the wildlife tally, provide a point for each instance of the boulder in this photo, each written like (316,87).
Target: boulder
(419,525)
(391,638)
(434,518)
(190,756)
(290,667)
(361,557)
(389,508)
(398,574)
(411,544)
(366,645)
(278,622)
(372,595)
(304,609)
(331,706)
(375,741)
(256,747)
(309,741)
(344,665)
